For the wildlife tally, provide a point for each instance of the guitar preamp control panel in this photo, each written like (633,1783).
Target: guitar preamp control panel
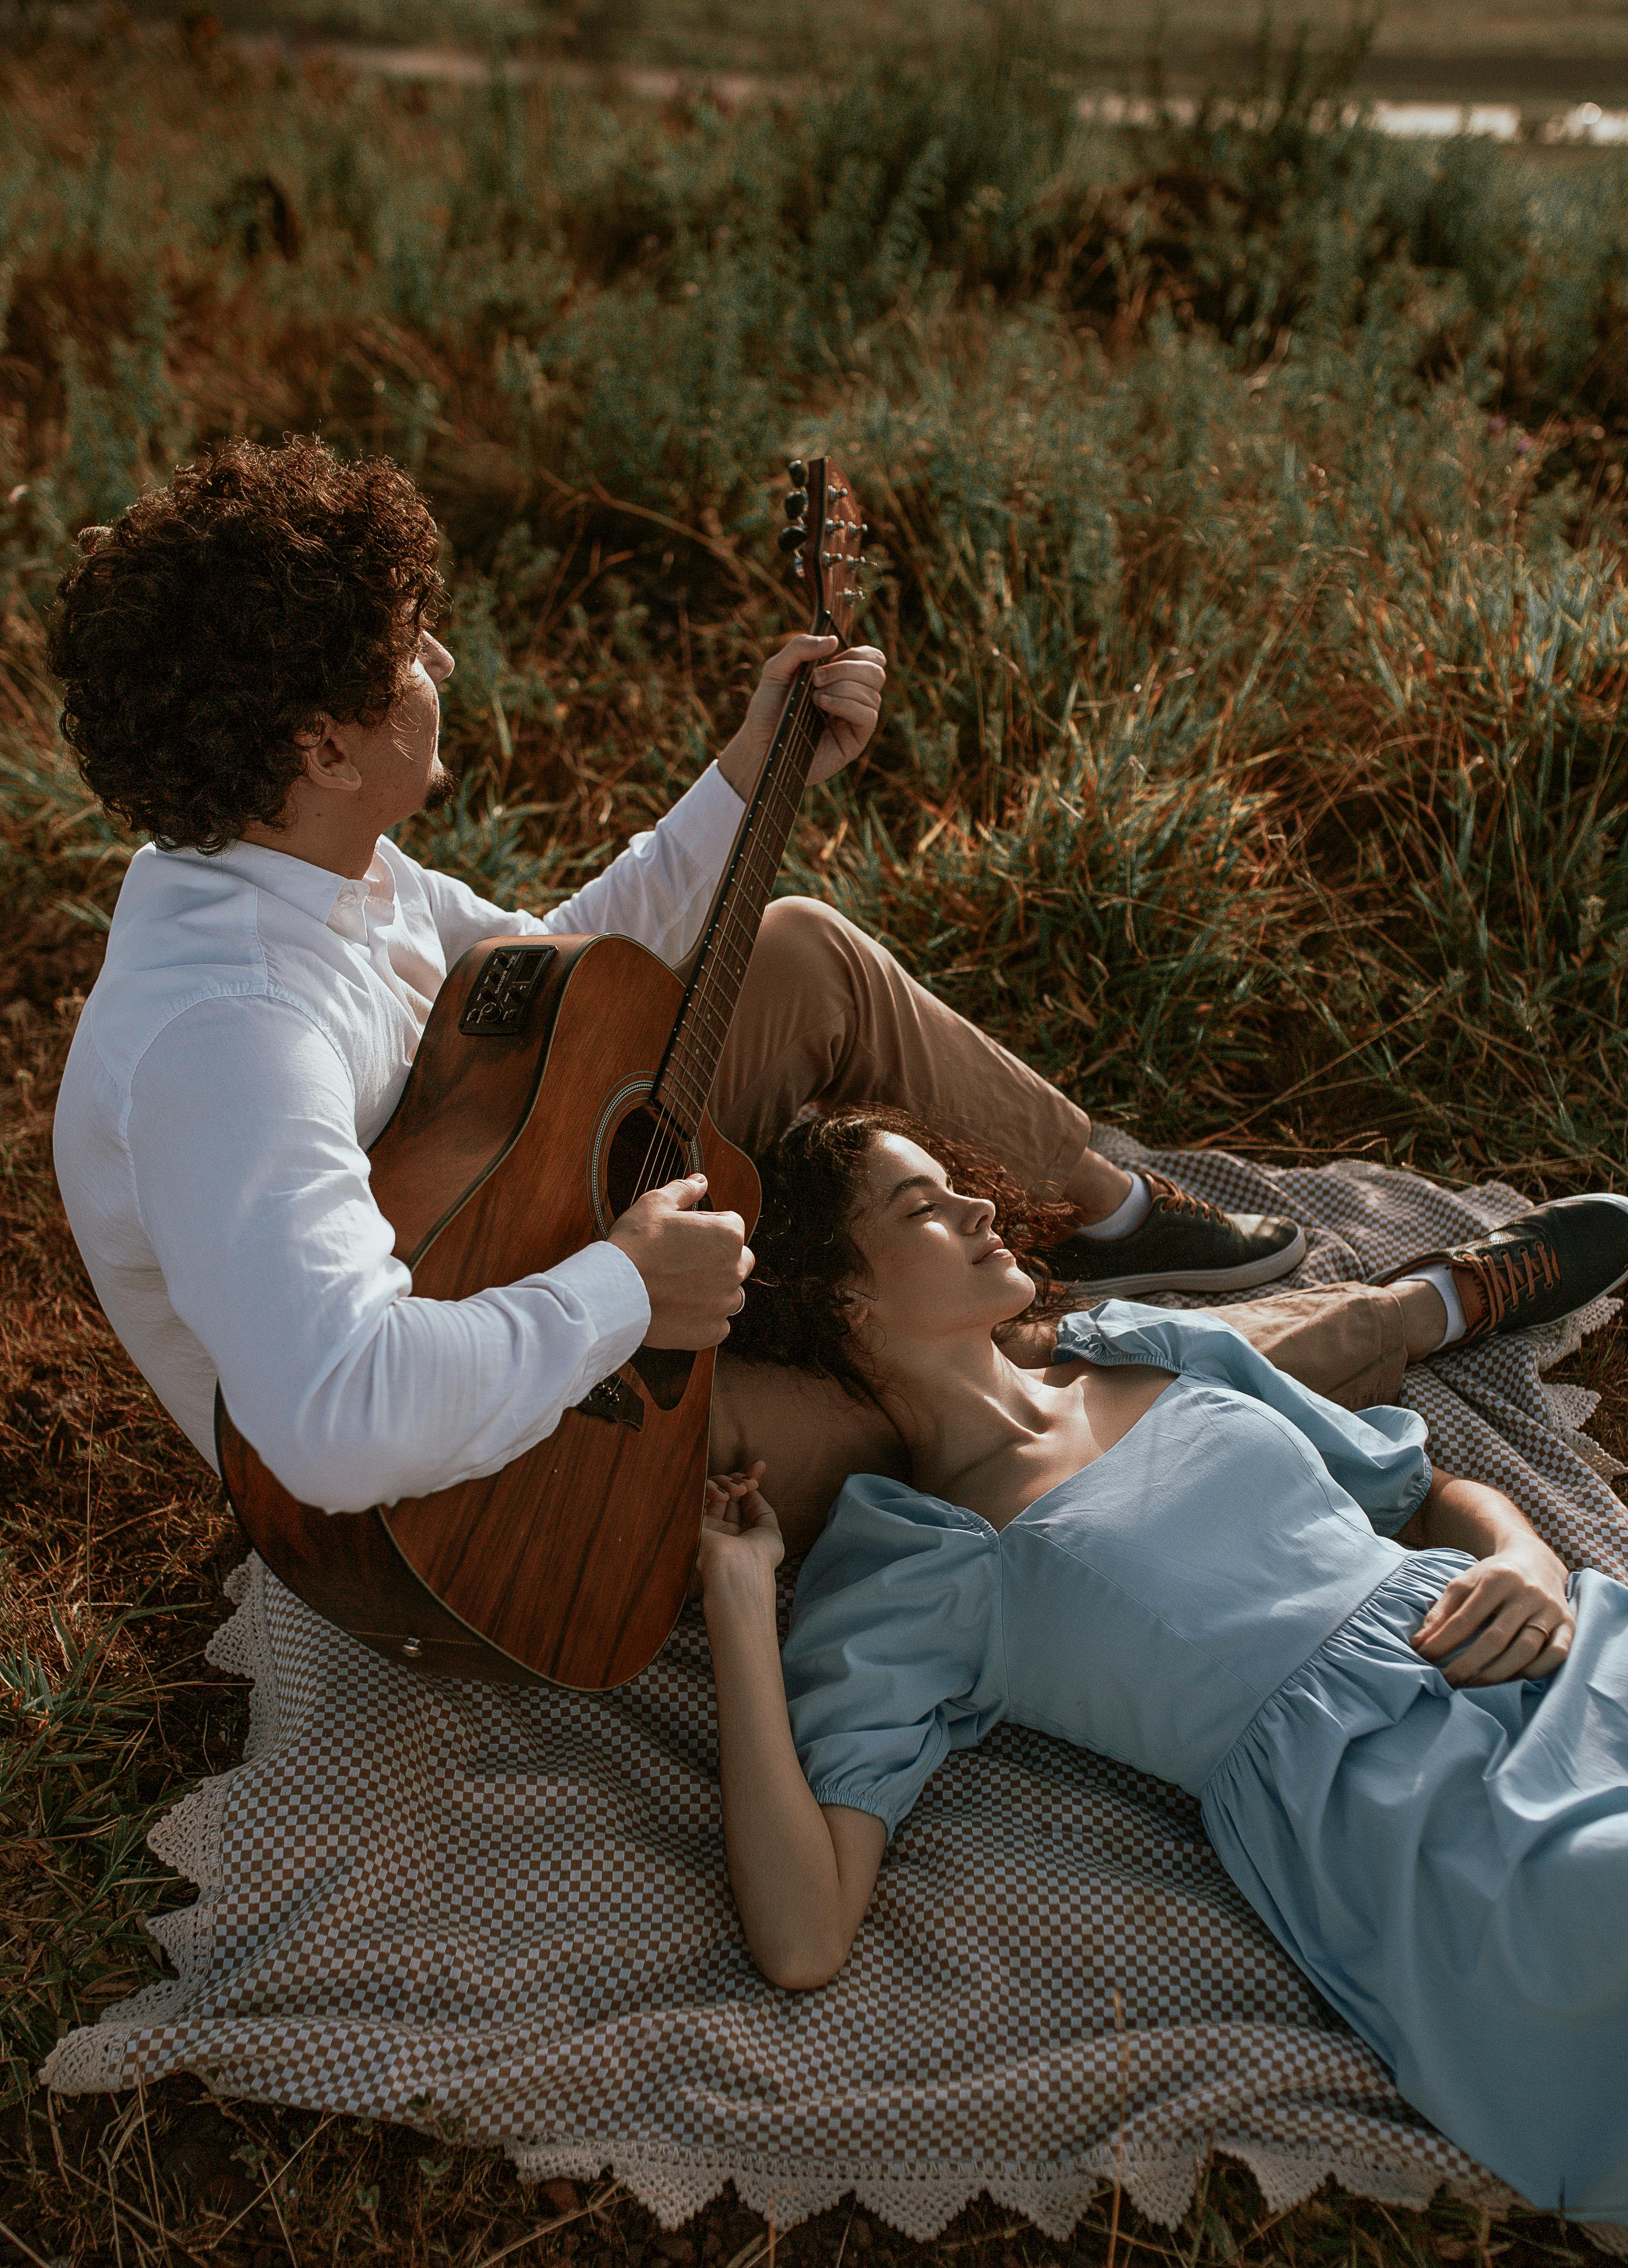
(505,990)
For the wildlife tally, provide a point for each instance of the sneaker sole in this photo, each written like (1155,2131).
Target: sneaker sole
(1243,1278)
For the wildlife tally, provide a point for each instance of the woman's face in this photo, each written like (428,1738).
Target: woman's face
(936,1268)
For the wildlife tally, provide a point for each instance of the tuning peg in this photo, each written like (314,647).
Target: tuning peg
(792,539)
(797,504)
(798,473)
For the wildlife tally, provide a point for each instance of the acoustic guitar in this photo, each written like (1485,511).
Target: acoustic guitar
(557,1080)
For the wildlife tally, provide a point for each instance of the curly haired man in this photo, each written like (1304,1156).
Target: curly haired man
(250,676)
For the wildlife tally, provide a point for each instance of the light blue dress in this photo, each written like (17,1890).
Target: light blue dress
(1217,1601)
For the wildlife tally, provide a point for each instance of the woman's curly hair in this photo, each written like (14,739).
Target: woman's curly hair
(219,617)
(796,1313)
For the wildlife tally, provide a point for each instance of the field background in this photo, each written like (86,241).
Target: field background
(1520,50)
(1247,500)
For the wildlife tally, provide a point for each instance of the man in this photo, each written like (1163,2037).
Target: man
(250,676)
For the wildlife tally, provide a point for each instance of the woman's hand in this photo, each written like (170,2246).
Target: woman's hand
(1509,1613)
(847,690)
(740,1534)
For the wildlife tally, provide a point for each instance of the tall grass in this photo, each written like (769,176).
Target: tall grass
(1246,528)
(1244,496)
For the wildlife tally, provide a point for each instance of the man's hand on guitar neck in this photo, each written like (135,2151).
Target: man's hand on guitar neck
(694,1264)
(847,690)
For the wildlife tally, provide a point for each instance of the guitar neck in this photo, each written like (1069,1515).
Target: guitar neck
(685,1079)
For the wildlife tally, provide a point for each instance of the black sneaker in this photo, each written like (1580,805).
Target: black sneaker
(1183,1244)
(1545,1265)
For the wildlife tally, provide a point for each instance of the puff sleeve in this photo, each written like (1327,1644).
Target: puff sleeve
(893,1655)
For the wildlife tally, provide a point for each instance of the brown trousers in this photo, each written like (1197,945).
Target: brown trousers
(827,1016)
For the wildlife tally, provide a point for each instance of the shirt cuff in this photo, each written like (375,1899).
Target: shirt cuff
(603,1283)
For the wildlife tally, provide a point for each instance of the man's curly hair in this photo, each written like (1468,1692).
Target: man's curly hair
(795,1314)
(218,617)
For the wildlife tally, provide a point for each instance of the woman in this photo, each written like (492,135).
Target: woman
(1413,1762)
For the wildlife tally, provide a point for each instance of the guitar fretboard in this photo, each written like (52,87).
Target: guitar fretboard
(685,1079)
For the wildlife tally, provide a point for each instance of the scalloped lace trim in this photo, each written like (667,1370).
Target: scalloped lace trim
(920,2205)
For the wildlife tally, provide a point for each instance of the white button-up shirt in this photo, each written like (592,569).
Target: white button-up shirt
(247,1038)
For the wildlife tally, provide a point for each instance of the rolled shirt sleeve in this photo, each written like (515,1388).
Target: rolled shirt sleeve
(255,1194)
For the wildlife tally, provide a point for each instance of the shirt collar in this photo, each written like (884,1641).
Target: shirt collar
(335,899)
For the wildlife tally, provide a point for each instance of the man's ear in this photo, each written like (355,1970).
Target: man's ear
(325,763)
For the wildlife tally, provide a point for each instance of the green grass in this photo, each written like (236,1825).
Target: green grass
(1246,512)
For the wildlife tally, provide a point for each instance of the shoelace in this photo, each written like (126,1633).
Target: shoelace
(1167,1195)
(1510,1275)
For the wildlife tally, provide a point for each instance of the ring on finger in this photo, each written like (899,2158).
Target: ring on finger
(740,1302)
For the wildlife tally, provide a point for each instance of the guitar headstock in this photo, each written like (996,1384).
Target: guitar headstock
(827,534)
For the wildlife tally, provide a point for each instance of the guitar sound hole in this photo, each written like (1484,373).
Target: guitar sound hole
(643,1155)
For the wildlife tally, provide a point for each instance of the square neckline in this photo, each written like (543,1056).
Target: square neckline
(1117,1361)
(1163,1394)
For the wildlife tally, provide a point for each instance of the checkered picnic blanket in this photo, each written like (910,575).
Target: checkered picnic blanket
(505,1913)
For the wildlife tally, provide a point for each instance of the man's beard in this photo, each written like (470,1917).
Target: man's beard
(443,790)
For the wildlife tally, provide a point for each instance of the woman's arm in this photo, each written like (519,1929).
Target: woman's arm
(1510,1613)
(802,1875)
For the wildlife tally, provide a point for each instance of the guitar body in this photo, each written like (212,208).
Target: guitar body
(521,1133)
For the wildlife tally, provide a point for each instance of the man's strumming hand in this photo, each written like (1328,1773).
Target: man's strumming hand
(693,1264)
(847,690)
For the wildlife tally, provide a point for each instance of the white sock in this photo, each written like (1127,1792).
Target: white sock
(1441,1278)
(1130,1213)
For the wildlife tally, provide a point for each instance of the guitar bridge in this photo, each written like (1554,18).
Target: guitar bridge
(615,1401)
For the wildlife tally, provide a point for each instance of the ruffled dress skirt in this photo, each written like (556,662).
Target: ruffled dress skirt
(1451,1868)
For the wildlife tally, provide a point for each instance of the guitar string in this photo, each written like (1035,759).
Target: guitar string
(676,1074)
(684,1078)
(704,1028)
(730,951)
(683,1074)
(679,1094)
